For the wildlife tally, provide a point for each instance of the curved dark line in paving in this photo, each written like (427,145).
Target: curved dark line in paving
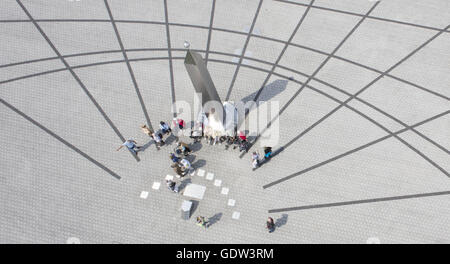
(239,33)
(75,76)
(356,14)
(353,151)
(316,71)
(345,103)
(244,49)
(169,51)
(354,202)
(288,2)
(232,55)
(130,69)
(310,87)
(211,20)
(60,139)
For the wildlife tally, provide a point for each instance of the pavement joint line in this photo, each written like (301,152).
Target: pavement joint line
(225,30)
(355,202)
(357,14)
(60,139)
(130,69)
(169,51)
(233,80)
(213,7)
(320,164)
(316,71)
(252,67)
(77,79)
(358,93)
(288,2)
(286,45)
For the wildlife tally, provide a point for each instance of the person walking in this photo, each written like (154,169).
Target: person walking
(202,222)
(131,145)
(270,224)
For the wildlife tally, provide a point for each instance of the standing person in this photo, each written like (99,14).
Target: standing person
(131,145)
(267,152)
(243,146)
(164,128)
(242,136)
(184,148)
(179,123)
(178,171)
(157,137)
(270,224)
(255,160)
(186,165)
(146,130)
(197,132)
(174,158)
(172,186)
(202,222)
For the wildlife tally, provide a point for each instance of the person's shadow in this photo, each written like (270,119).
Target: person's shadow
(183,184)
(170,139)
(281,221)
(198,164)
(214,219)
(148,144)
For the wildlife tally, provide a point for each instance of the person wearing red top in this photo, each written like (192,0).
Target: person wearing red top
(242,136)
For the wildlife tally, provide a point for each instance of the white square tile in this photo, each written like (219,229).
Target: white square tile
(201,172)
(236,215)
(169,177)
(225,191)
(156,185)
(218,183)
(231,202)
(194,191)
(210,176)
(144,195)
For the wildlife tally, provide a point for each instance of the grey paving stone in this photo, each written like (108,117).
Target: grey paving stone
(58,153)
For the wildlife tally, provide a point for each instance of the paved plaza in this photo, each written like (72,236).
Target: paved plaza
(363,89)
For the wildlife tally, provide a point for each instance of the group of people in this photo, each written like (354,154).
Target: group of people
(257,160)
(181,165)
(157,136)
